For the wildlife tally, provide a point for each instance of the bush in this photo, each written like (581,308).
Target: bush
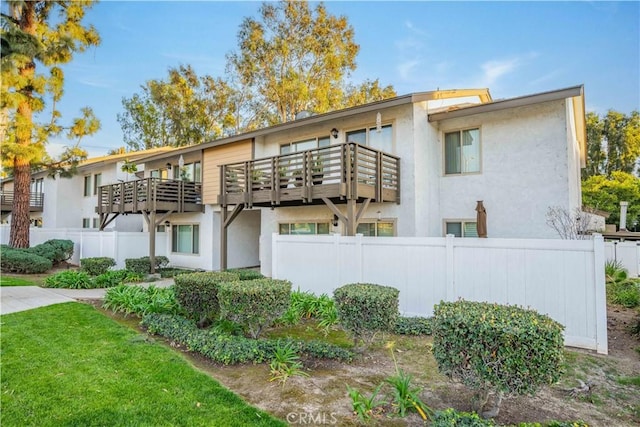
(254,304)
(364,308)
(113,278)
(246,273)
(55,250)
(413,326)
(173,271)
(228,349)
(621,289)
(452,418)
(21,261)
(140,301)
(197,293)
(96,266)
(70,279)
(307,305)
(143,265)
(506,349)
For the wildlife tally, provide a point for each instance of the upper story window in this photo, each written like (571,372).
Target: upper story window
(377,228)
(160,173)
(304,228)
(97,182)
(461,228)
(307,144)
(462,151)
(189,172)
(37,185)
(380,140)
(87,185)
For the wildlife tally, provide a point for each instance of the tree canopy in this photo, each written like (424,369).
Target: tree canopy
(290,59)
(606,193)
(39,35)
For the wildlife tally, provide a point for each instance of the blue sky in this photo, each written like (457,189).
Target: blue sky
(513,48)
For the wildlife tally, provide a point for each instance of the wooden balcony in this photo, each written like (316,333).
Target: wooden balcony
(150,195)
(36,201)
(338,173)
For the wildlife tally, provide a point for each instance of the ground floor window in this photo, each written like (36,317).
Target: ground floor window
(185,238)
(86,222)
(377,228)
(304,228)
(461,228)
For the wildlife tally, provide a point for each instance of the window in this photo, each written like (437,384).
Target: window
(37,185)
(160,173)
(462,151)
(461,228)
(95,223)
(191,172)
(97,182)
(377,229)
(304,228)
(380,140)
(161,228)
(308,144)
(86,222)
(87,185)
(185,239)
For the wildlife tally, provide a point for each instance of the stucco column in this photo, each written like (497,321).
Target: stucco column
(623,216)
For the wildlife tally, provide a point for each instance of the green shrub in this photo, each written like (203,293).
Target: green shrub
(55,250)
(413,326)
(246,273)
(143,265)
(506,349)
(364,308)
(197,293)
(140,301)
(254,304)
(307,305)
(21,261)
(116,277)
(621,289)
(173,271)
(452,418)
(70,279)
(229,349)
(97,265)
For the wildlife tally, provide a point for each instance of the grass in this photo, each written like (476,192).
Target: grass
(69,365)
(16,281)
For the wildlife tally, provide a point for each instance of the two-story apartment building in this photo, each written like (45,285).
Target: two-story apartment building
(414,165)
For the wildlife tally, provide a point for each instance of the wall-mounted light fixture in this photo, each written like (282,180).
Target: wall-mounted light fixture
(335,220)
(167,224)
(334,133)
(379,215)
(168,165)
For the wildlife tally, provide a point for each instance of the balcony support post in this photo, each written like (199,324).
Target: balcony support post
(225,221)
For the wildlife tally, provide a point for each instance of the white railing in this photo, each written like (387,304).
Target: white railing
(89,243)
(563,279)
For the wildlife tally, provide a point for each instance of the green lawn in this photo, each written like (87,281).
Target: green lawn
(16,281)
(69,365)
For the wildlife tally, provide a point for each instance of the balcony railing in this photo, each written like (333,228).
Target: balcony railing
(339,172)
(150,194)
(36,201)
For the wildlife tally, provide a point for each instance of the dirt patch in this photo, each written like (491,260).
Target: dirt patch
(322,397)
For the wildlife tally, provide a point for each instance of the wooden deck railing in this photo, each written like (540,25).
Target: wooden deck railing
(347,171)
(36,201)
(152,194)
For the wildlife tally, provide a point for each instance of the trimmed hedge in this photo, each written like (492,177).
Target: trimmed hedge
(414,326)
(246,273)
(229,349)
(365,308)
(496,347)
(23,262)
(254,304)
(197,293)
(97,265)
(143,265)
(55,250)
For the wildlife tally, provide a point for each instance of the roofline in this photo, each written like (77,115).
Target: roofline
(412,98)
(520,101)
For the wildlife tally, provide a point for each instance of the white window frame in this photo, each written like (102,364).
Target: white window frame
(315,222)
(373,128)
(317,140)
(86,222)
(174,231)
(87,185)
(197,177)
(97,182)
(392,221)
(444,151)
(462,225)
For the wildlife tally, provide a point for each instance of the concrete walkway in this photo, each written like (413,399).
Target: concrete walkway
(20,298)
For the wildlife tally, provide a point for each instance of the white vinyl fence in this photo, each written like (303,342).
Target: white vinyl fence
(627,253)
(89,243)
(561,278)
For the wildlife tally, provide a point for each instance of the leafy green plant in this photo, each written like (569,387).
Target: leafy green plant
(365,309)
(116,277)
(197,293)
(255,304)
(413,326)
(365,407)
(70,279)
(245,273)
(621,289)
(497,348)
(143,265)
(55,250)
(22,261)
(97,265)
(285,364)
(452,418)
(139,300)
(406,397)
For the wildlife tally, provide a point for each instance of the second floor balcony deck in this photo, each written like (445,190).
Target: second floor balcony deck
(36,201)
(150,194)
(338,172)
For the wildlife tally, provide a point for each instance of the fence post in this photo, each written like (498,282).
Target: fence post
(449,268)
(600,294)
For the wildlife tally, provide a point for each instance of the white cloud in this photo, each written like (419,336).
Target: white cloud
(405,69)
(493,70)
